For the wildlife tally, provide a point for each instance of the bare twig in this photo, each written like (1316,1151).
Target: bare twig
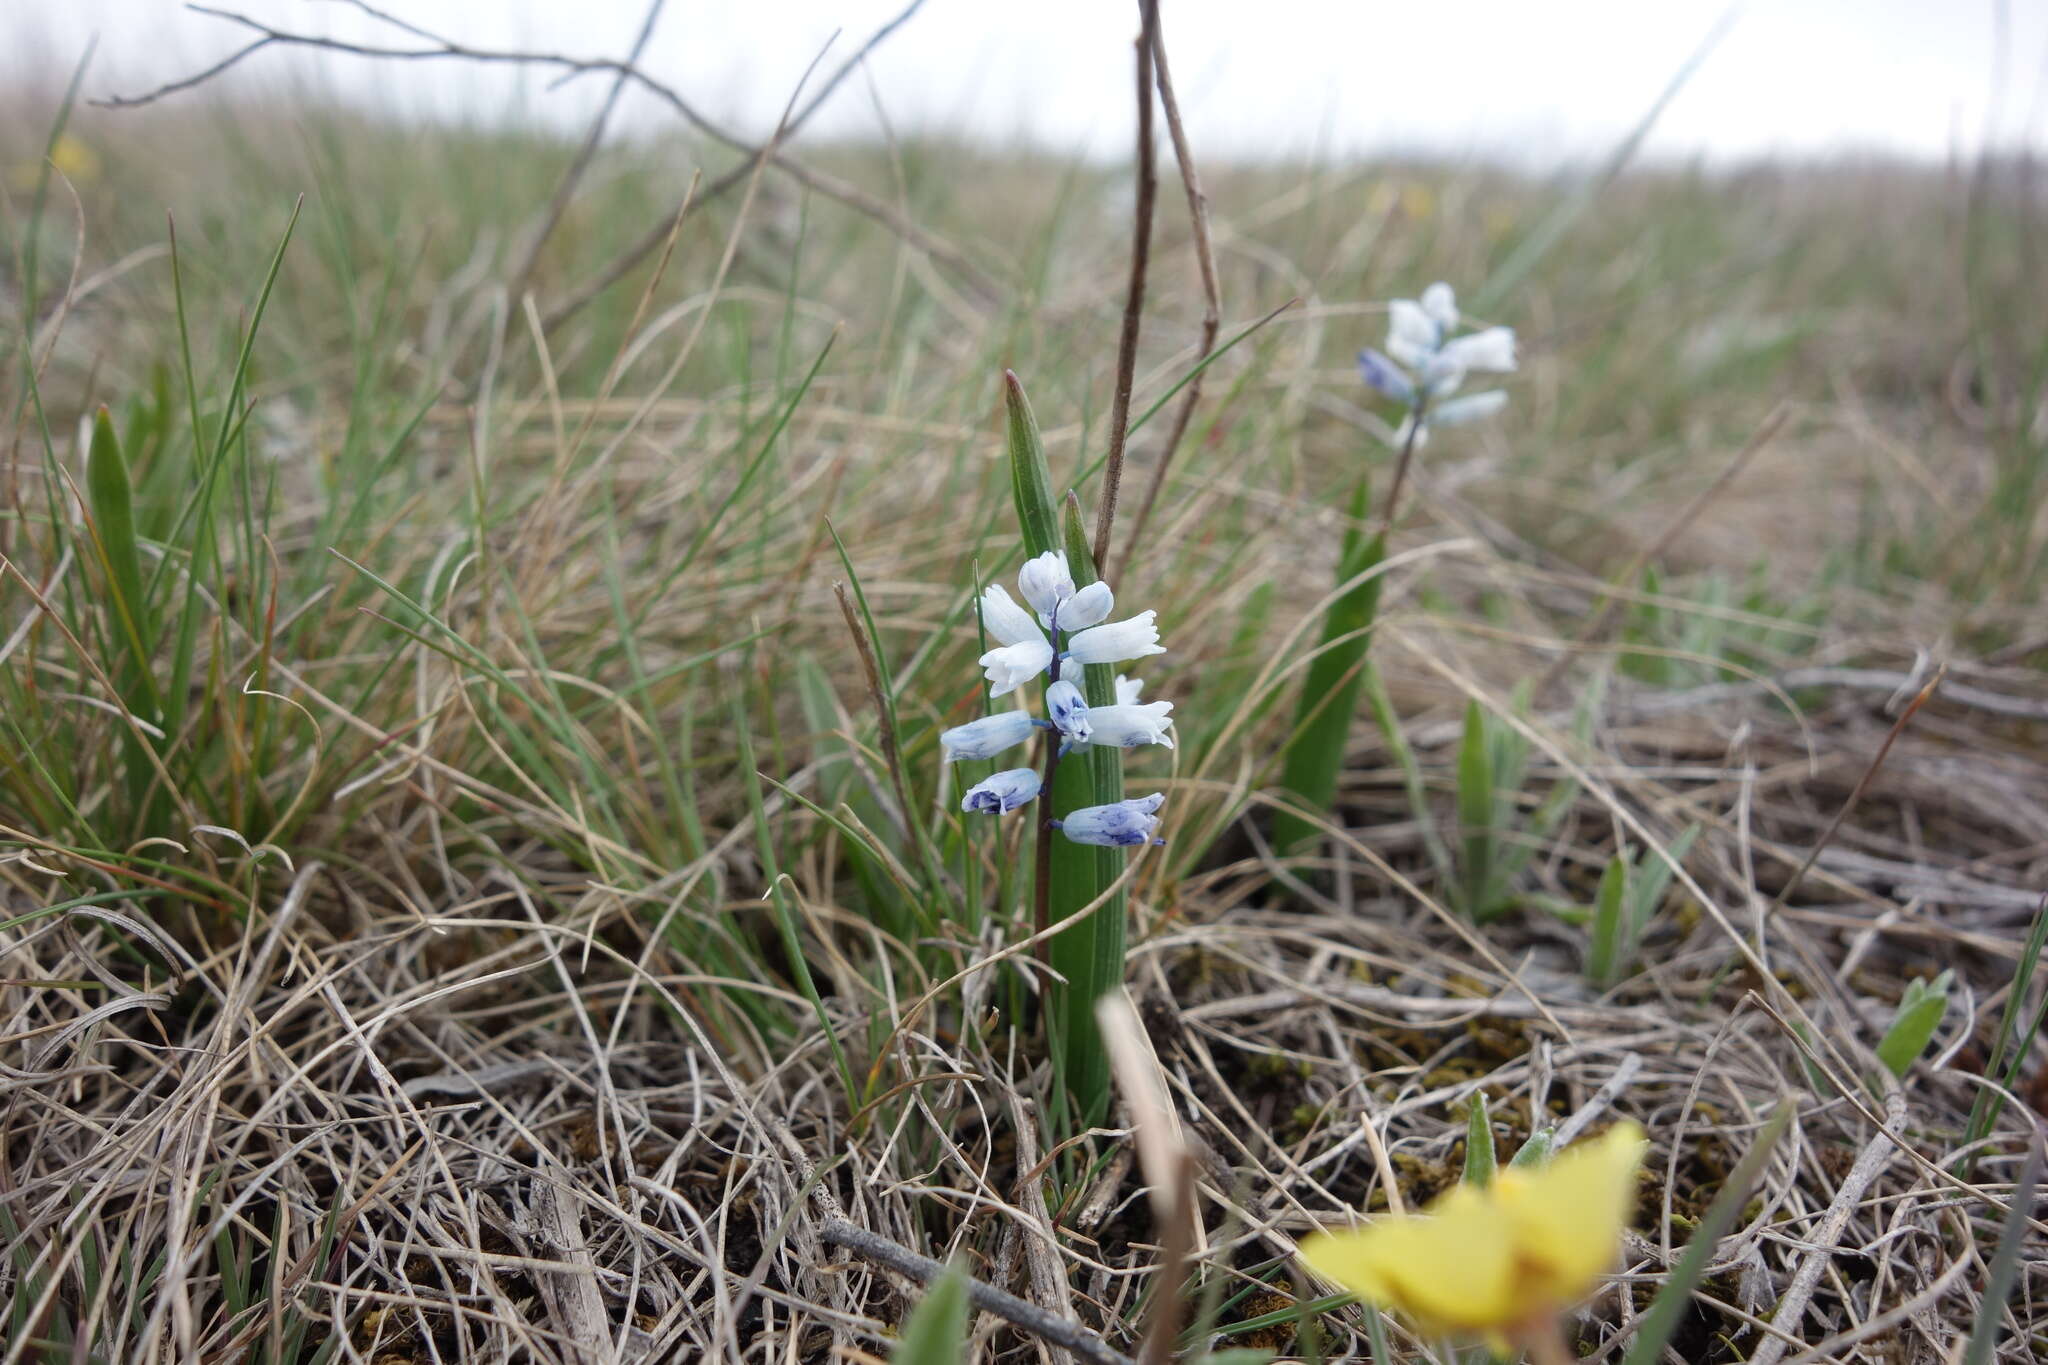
(1212,294)
(442,49)
(1827,836)
(1018,1313)
(1611,601)
(1609,1091)
(565,189)
(1877,1154)
(1134,296)
(623,264)
(1401,464)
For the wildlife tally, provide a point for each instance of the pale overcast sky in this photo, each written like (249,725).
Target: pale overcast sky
(1503,78)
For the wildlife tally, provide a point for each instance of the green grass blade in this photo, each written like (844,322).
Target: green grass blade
(1650,878)
(1091,954)
(1536,1151)
(1030,481)
(2005,1262)
(1329,692)
(2009,1045)
(110,496)
(1662,1317)
(1604,955)
(778,897)
(1476,808)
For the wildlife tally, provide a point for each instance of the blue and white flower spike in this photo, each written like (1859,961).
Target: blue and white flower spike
(1070,713)
(987,737)
(1122,824)
(1003,792)
(1419,338)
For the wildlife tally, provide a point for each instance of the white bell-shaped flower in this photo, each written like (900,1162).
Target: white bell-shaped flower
(987,737)
(1005,791)
(1045,582)
(1128,726)
(1090,606)
(1120,640)
(1118,825)
(1069,712)
(1489,352)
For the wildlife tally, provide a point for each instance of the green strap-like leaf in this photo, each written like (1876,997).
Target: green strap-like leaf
(936,1333)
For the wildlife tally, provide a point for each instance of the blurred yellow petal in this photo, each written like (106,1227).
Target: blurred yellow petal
(1566,1218)
(1450,1268)
(1490,1262)
(73,159)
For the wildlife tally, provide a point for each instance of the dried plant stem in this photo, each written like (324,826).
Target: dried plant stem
(1546,1345)
(1856,793)
(768,153)
(565,189)
(1212,294)
(1176,1258)
(1611,600)
(1401,463)
(834,1227)
(1876,1155)
(1041,864)
(1028,1317)
(1134,295)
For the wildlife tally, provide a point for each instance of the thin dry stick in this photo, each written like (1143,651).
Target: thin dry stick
(1624,1075)
(1877,1154)
(1611,601)
(1134,297)
(622,264)
(565,190)
(834,1227)
(1212,294)
(1856,793)
(769,152)
(1029,1317)
(1041,862)
(1401,464)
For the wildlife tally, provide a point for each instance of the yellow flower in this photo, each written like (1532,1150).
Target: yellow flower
(1491,1261)
(70,158)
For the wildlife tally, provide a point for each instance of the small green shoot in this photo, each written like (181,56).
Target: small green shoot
(1630,891)
(1919,1015)
(1481,1165)
(936,1333)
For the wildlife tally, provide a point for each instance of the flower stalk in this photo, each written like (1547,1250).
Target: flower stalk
(1422,367)
(1061,640)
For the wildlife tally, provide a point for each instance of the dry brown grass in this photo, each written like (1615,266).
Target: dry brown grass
(452,1090)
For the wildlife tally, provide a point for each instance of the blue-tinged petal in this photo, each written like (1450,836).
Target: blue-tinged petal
(1005,791)
(1385,376)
